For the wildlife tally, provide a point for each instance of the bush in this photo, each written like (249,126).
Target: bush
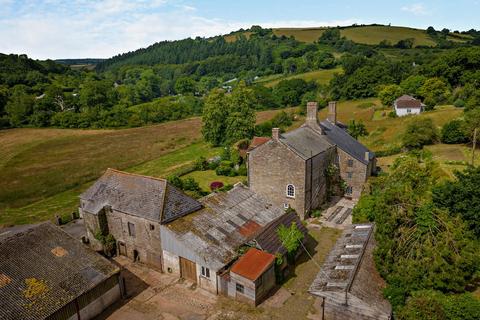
(216,185)
(429,304)
(419,133)
(175,181)
(201,164)
(225,168)
(388,152)
(459,103)
(189,184)
(454,132)
(226,188)
(242,170)
(392,114)
(212,165)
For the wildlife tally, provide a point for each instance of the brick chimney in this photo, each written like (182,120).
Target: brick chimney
(312,120)
(276,134)
(332,112)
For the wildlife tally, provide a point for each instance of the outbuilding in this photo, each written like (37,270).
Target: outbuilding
(47,274)
(252,276)
(407,105)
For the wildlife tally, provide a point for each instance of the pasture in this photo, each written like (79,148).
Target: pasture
(362,34)
(319,76)
(44,170)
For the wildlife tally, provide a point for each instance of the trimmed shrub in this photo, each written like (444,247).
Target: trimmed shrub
(216,185)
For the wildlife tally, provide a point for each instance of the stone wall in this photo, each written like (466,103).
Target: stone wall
(146,241)
(359,172)
(271,167)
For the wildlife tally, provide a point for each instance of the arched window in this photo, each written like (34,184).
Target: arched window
(291,191)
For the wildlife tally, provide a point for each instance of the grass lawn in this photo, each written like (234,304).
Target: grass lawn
(300,34)
(204,178)
(319,76)
(300,302)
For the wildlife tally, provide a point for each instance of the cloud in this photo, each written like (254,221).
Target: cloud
(417,9)
(100,29)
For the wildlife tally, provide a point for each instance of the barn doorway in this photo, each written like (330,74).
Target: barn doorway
(122,249)
(136,256)
(188,270)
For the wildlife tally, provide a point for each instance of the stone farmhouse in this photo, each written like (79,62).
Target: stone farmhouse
(407,105)
(201,241)
(47,274)
(348,282)
(297,169)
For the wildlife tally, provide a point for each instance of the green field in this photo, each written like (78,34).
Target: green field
(362,34)
(44,170)
(319,76)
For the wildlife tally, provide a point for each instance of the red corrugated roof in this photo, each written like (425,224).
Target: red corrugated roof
(253,264)
(249,228)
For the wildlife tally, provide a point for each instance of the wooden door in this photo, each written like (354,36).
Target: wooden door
(188,270)
(122,249)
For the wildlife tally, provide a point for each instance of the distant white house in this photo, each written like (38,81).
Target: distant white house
(406,105)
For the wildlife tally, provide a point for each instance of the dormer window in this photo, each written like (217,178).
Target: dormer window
(291,191)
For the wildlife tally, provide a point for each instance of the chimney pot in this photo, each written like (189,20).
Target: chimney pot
(276,134)
(332,112)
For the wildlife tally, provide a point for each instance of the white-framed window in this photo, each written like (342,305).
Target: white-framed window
(205,272)
(350,162)
(409,110)
(291,191)
(286,206)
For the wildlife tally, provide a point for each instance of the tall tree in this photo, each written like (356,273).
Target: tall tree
(214,117)
(241,114)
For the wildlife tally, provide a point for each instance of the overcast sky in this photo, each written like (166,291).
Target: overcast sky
(102,28)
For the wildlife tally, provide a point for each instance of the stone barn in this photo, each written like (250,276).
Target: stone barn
(252,277)
(297,169)
(348,283)
(202,246)
(132,208)
(47,274)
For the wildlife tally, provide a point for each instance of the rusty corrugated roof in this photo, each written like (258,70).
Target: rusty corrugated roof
(253,264)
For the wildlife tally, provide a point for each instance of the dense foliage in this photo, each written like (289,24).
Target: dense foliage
(419,246)
(419,132)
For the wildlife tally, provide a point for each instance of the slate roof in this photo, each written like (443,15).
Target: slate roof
(344,141)
(227,221)
(305,142)
(253,264)
(268,239)
(349,275)
(61,266)
(146,197)
(407,101)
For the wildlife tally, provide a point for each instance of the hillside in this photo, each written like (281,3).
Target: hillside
(371,35)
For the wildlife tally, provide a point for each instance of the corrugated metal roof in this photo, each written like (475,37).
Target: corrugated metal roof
(147,197)
(268,239)
(58,267)
(344,141)
(306,142)
(253,264)
(349,271)
(227,221)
